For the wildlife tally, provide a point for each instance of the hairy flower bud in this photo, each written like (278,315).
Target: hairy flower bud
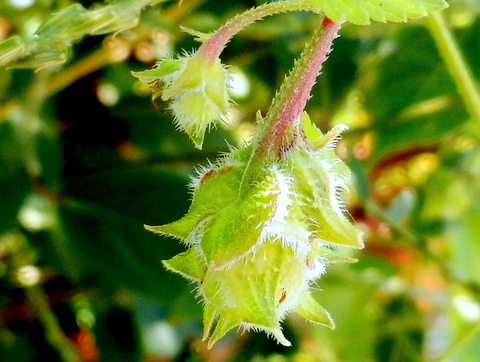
(197,89)
(254,256)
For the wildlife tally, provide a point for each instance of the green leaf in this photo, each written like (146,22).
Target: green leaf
(14,181)
(413,100)
(104,229)
(362,11)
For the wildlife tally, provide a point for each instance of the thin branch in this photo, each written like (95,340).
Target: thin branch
(456,64)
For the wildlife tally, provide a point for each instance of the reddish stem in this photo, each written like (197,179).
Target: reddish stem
(295,91)
(212,47)
(289,103)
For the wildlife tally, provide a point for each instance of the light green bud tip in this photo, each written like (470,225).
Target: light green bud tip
(197,90)
(255,256)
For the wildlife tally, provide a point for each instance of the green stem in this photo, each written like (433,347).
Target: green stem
(455,63)
(213,47)
(39,303)
(290,101)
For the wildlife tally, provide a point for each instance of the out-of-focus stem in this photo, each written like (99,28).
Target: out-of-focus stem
(19,250)
(39,303)
(178,11)
(455,63)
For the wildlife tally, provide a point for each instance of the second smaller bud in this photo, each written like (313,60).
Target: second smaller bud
(197,89)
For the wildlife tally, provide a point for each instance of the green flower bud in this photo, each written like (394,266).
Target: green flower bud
(197,89)
(254,256)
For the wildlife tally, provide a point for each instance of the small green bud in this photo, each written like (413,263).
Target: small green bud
(197,89)
(255,255)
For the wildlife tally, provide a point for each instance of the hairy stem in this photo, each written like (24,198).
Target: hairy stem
(212,47)
(290,100)
(455,63)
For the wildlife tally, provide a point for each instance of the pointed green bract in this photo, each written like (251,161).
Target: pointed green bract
(361,12)
(162,69)
(317,189)
(178,229)
(252,290)
(330,256)
(188,263)
(232,234)
(224,324)
(309,309)
(237,228)
(209,315)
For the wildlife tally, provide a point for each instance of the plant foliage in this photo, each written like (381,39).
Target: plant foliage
(87,158)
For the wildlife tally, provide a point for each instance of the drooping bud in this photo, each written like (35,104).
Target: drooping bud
(255,255)
(197,89)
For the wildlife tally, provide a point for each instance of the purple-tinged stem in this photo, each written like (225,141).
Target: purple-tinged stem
(295,91)
(213,46)
(290,101)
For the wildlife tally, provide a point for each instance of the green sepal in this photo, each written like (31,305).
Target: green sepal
(12,48)
(217,188)
(209,315)
(314,185)
(161,69)
(198,35)
(206,203)
(178,229)
(197,137)
(198,71)
(327,255)
(189,264)
(336,229)
(225,323)
(310,131)
(238,226)
(309,309)
(235,231)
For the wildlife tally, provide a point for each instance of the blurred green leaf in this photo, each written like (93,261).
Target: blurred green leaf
(464,233)
(413,100)
(106,229)
(95,167)
(14,181)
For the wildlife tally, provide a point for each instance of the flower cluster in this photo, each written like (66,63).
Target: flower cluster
(254,255)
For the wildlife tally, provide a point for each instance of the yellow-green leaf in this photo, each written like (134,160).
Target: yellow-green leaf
(361,12)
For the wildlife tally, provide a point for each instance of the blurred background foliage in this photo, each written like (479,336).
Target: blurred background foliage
(86,160)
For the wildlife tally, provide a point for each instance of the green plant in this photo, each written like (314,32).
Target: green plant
(266,219)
